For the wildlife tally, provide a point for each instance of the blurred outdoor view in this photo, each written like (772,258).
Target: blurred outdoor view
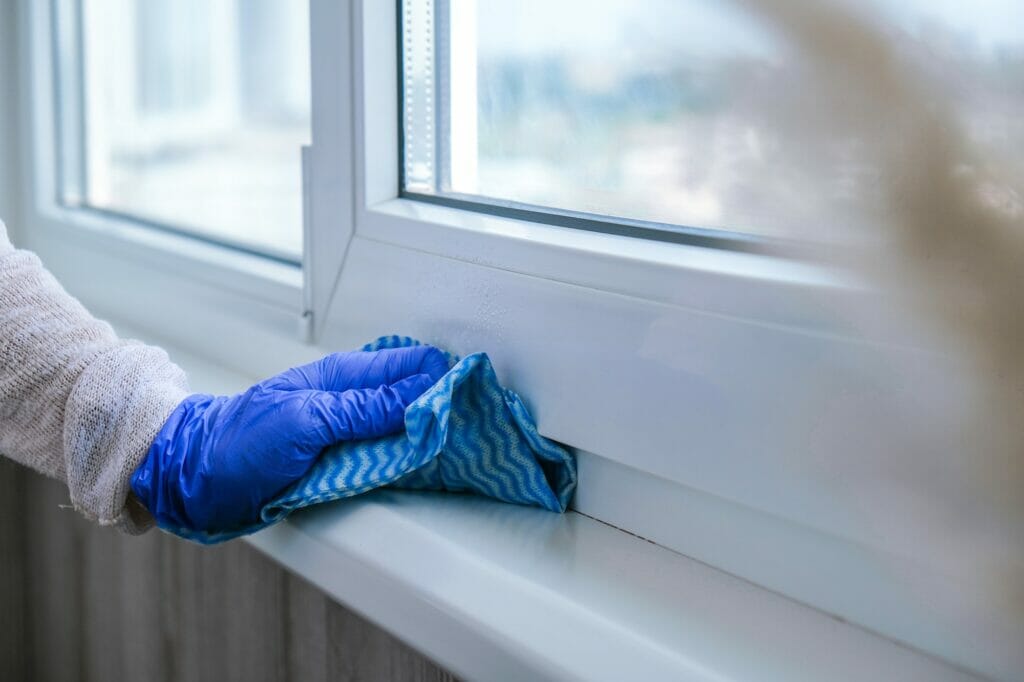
(687,112)
(692,112)
(194,113)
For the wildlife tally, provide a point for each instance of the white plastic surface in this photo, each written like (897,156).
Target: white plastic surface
(845,447)
(499,592)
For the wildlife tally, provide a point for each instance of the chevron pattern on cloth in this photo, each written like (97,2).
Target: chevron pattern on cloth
(465,434)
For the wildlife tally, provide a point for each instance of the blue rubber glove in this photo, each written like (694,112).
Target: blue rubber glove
(218,459)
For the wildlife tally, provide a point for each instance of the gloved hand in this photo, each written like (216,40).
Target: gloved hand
(218,459)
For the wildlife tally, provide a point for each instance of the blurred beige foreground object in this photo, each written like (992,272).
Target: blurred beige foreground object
(950,250)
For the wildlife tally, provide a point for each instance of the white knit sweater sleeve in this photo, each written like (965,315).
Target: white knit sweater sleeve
(77,403)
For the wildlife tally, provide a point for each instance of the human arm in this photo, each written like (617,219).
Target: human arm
(107,416)
(76,402)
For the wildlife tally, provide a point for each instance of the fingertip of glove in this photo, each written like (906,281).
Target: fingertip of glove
(434,363)
(419,359)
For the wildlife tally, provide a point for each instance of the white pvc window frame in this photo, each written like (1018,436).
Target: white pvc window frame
(352,189)
(601,261)
(603,333)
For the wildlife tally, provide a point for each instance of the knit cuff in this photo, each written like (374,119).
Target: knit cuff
(115,410)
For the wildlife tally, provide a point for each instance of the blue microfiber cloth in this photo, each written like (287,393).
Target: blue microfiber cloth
(465,434)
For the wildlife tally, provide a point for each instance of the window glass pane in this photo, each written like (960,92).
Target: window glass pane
(193,116)
(695,113)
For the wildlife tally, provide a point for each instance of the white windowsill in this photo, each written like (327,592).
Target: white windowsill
(495,591)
